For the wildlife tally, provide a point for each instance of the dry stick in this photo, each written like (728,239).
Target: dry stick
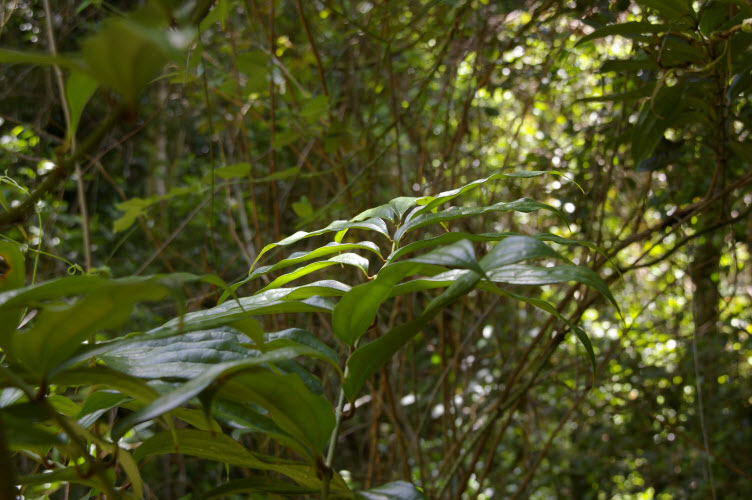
(546,447)
(177,231)
(272,122)
(388,128)
(66,113)
(61,170)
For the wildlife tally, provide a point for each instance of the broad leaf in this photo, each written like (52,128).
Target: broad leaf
(366,360)
(222,449)
(215,373)
(524,205)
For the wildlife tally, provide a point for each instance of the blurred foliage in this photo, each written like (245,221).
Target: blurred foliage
(255,119)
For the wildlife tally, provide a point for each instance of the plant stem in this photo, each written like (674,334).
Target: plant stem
(332,445)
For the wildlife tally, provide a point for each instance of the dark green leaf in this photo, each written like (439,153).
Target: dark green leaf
(630,29)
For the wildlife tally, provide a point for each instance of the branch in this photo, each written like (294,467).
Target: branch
(61,171)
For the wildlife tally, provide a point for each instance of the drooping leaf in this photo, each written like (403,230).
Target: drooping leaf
(222,449)
(366,360)
(303,415)
(78,90)
(260,484)
(57,330)
(357,309)
(12,277)
(216,372)
(350,259)
(631,29)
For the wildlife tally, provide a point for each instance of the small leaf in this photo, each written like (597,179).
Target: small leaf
(233,171)
(78,90)
(397,490)
(632,29)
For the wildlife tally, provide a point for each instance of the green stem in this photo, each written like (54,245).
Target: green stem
(332,446)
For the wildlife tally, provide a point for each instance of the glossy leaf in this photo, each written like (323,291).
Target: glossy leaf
(374,224)
(216,372)
(270,302)
(222,449)
(350,259)
(524,205)
(366,360)
(357,309)
(392,211)
(305,416)
(459,254)
(58,330)
(535,275)
(516,249)
(327,249)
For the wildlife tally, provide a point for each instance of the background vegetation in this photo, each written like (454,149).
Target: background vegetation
(256,119)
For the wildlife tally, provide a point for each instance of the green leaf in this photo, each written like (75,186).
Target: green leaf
(12,278)
(96,405)
(126,55)
(350,259)
(524,205)
(522,274)
(366,360)
(357,309)
(629,65)
(303,415)
(459,254)
(397,490)
(451,237)
(656,116)
(516,249)
(675,10)
(632,29)
(78,90)
(258,485)
(135,207)
(39,59)
(196,385)
(373,224)
(327,249)
(233,171)
(222,449)
(315,109)
(392,211)
(275,301)
(58,329)
(432,202)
